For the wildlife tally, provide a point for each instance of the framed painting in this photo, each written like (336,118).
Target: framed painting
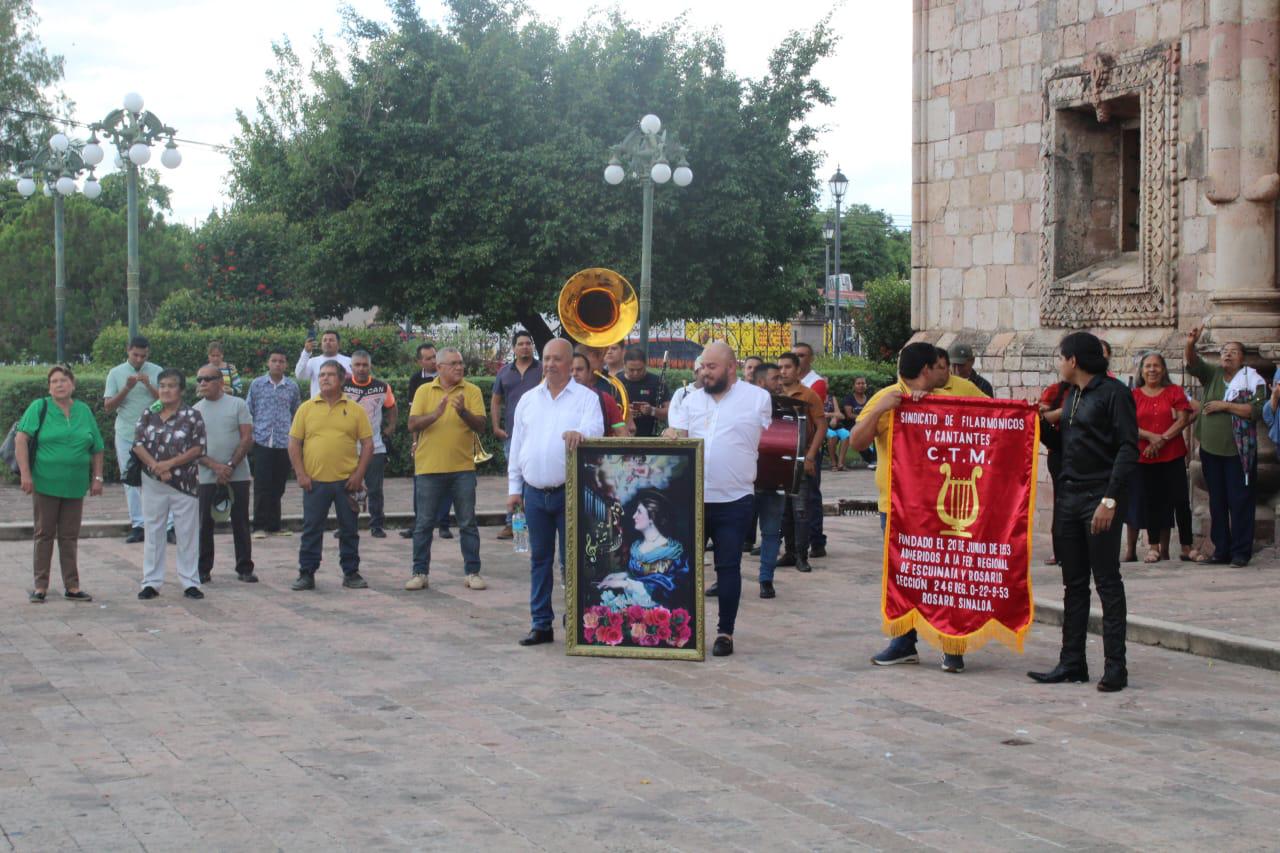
(633,525)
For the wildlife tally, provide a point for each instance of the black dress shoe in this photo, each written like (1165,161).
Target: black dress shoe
(766,590)
(193,592)
(712,591)
(407,533)
(247,577)
(787,559)
(1113,682)
(722,647)
(136,535)
(148,592)
(538,636)
(747,547)
(446,533)
(171,538)
(803,566)
(354,581)
(817,551)
(755,552)
(205,577)
(378,533)
(1059,674)
(305,581)
(1237,563)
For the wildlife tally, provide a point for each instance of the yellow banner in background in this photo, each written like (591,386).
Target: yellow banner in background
(747,337)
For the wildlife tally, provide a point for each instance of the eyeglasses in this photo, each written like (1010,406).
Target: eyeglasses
(204,379)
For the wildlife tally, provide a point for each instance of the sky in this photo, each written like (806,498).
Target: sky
(195,62)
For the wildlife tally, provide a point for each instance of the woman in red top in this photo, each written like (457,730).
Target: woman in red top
(1163,413)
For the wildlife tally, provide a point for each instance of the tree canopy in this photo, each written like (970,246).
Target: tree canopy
(451,169)
(27,71)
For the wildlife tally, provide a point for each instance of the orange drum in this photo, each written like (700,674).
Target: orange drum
(780,467)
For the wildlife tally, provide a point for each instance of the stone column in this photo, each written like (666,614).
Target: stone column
(919,166)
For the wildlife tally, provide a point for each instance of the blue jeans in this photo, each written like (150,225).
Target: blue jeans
(506,455)
(813,505)
(727,525)
(544,512)
(770,506)
(132,494)
(315,511)
(430,491)
(1231,505)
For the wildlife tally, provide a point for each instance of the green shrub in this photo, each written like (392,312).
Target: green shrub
(247,348)
(885,324)
(191,309)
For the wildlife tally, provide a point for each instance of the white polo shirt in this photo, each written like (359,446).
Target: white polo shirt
(537,454)
(730,429)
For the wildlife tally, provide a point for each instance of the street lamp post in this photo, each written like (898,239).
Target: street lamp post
(56,169)
(646,153)
(839,183)
(133,131)
(828,231)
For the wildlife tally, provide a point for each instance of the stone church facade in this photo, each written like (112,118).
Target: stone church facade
(1108,165)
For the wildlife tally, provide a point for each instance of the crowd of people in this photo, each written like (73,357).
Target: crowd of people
(187,467)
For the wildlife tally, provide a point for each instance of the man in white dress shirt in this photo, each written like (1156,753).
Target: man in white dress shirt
(309,364)
(729,416)
(549,420)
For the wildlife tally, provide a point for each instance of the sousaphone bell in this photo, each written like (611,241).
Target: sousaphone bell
(599,307)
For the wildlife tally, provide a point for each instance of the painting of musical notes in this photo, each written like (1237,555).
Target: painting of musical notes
(634,534)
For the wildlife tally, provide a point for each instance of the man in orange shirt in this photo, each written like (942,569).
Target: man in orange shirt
(795,527)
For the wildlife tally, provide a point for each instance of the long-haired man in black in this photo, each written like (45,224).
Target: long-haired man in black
(1098,440)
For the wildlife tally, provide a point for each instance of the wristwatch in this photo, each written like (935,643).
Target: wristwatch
(1109,503)
(97,479)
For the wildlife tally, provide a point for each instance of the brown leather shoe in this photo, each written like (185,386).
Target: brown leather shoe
(505,533)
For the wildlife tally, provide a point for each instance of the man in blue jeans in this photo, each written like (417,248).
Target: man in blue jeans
(550,420)
(323,441)
(447,414)
(729,416)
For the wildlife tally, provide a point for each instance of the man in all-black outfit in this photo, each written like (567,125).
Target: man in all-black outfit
(1098,440)
(644,392)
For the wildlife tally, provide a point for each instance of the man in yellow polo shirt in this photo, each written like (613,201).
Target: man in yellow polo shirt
(920,372)
(330,470)
(447,415)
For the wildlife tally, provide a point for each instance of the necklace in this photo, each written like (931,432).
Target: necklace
(1075,404)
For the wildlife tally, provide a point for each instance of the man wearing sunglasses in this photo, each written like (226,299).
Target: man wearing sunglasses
(224,469)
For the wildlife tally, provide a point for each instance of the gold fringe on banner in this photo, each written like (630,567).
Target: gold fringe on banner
(993,629)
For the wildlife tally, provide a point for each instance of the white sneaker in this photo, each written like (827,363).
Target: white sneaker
(416,582)
(283,533)
(259,534)
(475,582)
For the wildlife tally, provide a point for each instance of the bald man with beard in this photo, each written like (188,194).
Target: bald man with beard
(729,416)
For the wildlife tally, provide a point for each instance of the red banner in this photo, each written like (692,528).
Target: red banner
(957,542)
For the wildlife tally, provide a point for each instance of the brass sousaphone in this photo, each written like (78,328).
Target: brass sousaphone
(598,307)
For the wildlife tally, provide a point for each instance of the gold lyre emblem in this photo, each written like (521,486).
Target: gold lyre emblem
(958,501)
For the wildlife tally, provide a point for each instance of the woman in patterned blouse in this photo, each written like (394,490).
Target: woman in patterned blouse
(167,443)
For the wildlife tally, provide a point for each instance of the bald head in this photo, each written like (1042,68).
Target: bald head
(557,357)
(719,368)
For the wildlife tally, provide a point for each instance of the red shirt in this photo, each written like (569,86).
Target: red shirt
(1156,414)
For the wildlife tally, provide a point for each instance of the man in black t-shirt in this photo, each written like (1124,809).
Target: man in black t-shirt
(644,393)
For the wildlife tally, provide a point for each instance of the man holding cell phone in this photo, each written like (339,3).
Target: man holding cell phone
(308,366)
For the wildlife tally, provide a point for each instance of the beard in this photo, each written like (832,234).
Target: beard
(716,387)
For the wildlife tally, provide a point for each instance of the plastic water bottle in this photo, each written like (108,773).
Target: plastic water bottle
(520,533)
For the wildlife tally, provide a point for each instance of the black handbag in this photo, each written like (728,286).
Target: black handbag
(133,473)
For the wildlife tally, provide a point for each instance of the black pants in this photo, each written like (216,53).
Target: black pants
(813,503)
(239,527)
(373,484)
(270,474)
(1081,554)
(1231,505)
(1164,490)
(796,531)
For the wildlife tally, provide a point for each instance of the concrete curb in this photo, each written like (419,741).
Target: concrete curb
(1178,637)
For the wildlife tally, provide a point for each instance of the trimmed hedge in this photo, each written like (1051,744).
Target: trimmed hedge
(248,349)
(17,394)
(190,309)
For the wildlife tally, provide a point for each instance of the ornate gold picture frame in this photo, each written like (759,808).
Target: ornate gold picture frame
(634,531)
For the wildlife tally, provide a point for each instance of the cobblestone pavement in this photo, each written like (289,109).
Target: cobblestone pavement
(262,718)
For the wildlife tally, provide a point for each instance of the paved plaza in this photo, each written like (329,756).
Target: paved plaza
(261,718)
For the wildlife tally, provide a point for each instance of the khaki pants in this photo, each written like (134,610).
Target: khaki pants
(56,519)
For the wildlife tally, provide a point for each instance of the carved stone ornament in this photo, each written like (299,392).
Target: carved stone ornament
(1147,297)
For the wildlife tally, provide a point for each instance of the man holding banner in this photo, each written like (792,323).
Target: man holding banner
(929,550)
(1098,440)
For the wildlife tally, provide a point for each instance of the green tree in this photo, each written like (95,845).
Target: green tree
(870,246)
(456,169)
(885,324)
(95,255)
(26,73)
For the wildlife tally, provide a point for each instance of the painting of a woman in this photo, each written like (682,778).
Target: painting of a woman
(657,564)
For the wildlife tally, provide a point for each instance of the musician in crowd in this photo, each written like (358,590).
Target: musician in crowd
(379,403)
(309,363)
(961,358)
(597,382)
(812,380)
(549,420)
(613,359)
(447,416)
(1098,438)
(749,365)
(512,381)
(616,425)
(426,372)
(916,378)
(764,375)
(645,393)
(767,376)
(729,416)
(793,519)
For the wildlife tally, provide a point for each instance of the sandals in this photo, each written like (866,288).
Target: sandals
(35,597)
(1153,556)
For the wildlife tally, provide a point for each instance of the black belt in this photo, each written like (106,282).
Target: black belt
(550,490)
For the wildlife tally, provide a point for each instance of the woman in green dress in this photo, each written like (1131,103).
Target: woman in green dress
(67,463)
